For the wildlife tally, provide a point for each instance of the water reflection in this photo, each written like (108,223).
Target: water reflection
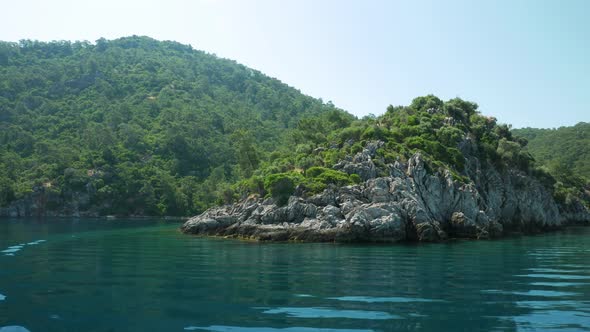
(220,328)
(369,299)
(554,276)
(10,251)
(302,312)
(13,328)
(532,292)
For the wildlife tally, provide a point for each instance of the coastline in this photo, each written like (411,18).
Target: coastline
(105,217)
(450,240)
(411,203)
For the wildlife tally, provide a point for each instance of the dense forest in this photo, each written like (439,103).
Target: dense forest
(135,125)
(565,149)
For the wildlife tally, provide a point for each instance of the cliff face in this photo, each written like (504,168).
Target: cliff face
(410,203)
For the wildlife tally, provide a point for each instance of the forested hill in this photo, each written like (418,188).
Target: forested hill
(567,148)
(134,125)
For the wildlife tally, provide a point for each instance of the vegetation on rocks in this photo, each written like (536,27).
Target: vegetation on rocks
(445,133)
(425,172)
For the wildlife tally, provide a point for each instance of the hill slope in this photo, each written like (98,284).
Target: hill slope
(133,126)
(564,146)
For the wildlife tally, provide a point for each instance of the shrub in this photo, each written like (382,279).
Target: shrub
(353,133)
(356,148)
(328,176)
(426,103)
(338,178)
(281,186)
(252,185)
(449,136)
(332,156)
(373,133)
(317,178)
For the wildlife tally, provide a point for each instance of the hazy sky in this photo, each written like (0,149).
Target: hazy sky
(525,62)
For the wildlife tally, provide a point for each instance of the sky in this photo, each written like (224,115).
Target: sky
(525,62)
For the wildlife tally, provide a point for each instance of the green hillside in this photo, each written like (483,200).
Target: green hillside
(135,125)
(451,135)
(565,147)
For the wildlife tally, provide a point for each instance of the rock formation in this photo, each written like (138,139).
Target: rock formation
(409,203)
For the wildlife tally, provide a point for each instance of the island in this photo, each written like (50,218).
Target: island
(140,127)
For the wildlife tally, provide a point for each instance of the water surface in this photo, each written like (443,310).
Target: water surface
(129,275)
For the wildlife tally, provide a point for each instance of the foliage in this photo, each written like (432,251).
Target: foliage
(282,185)
(563,156)
(318,178)
(569,146)
(143,126)
(158,128)
(446,133)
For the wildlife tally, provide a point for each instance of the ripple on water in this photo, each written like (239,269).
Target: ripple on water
(575,266)
(532,292)
(10,251)
(35,242)
(557,284)
(222,328)
(13,328)
(555,320)
(312,312)
(553,276)
(552,305)
(550,270)
(369,299)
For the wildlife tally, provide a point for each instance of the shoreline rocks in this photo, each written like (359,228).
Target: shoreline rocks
(410,204)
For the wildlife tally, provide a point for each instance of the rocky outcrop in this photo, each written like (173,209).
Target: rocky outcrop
(410,203)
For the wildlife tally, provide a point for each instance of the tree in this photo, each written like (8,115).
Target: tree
(248,159)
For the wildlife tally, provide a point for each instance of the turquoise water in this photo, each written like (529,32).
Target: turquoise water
(98,275)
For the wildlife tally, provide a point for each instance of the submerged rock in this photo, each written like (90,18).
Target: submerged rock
(411,203)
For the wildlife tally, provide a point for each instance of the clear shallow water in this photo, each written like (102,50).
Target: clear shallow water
(98,275)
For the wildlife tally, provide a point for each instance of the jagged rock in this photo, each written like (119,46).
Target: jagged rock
(464,226)
(411,203)
(362,163)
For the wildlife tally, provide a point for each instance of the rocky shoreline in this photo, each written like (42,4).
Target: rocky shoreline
(411,203)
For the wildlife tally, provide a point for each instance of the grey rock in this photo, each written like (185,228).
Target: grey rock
(410,204)
(362,163)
